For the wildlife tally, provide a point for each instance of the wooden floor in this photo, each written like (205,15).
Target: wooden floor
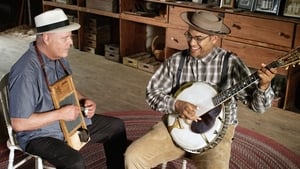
(116,87)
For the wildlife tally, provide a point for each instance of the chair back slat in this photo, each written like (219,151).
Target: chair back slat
(5,108)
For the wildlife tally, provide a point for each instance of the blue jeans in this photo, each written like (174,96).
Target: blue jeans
(107,130)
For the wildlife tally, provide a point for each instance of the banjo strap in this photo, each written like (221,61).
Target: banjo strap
(223,75)
(224,71)
(43,66)
(179,70)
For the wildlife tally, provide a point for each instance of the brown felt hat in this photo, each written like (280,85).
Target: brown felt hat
(205,22)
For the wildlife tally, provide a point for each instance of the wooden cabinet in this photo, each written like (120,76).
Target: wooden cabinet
(256,37)
(292,97)
(297,36)
(258,40)
(261,30)
(264,39)
(175,39)
(174,16)
(253,55)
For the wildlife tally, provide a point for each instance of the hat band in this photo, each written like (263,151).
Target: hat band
(52,26)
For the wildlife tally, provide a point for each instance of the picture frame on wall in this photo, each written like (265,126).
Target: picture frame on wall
(292,8)
(227,4)
(267,6)
(246,4)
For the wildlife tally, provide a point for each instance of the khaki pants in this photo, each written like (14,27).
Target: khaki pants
(157,147)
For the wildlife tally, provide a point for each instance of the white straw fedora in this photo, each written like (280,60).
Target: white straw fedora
(54,21)
(205,22)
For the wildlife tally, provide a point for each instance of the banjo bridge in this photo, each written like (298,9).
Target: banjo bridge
(176,124)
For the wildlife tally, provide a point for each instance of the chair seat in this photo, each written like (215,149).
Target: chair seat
(11,144)
(19,155)
(14,147)
(4,152)
(39,162)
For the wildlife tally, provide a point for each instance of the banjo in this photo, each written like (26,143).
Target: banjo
(197,137)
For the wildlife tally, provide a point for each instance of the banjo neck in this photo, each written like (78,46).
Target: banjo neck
(232,91)
(291,58)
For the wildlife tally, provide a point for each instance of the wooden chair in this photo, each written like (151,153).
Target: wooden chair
(12,144)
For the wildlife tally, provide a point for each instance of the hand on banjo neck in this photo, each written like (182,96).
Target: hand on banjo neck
(266,75)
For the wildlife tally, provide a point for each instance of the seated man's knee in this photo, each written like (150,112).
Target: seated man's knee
(119,125)
(130,154)
(134,158)
(75,161)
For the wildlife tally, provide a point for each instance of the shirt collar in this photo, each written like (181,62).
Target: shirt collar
(48,62)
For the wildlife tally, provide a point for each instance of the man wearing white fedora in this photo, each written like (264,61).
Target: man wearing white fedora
(193,127)
(32,112)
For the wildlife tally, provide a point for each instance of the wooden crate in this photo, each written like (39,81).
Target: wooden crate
(99,39)
(113,48)
(148,64)
(112,56)
(112,52)
(133,60)
(89,49)
(90,43)
(105,5)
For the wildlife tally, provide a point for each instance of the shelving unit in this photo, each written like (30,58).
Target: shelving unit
(256,37)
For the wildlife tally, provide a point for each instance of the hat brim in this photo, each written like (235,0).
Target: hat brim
(69,28)
(186,17)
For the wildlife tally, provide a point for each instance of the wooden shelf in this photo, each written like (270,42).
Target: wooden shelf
(99,12)
(60,5)
(156,21)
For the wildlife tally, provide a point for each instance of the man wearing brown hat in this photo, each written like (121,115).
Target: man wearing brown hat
(202,65)
(32,112)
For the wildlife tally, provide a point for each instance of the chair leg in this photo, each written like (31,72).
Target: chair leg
(184,162)
(22,162)
(11,159)
(38,163)
(164,165)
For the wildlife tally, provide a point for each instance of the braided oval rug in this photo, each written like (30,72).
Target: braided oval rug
(250,150)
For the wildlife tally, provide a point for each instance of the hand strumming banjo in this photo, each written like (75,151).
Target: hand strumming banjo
(197,137)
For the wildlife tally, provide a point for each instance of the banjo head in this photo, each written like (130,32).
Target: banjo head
(197,93)
(196,137)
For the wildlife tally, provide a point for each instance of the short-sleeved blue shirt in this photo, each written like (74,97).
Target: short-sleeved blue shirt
(28,92)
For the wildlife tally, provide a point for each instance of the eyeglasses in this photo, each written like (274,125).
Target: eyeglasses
(198,39)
